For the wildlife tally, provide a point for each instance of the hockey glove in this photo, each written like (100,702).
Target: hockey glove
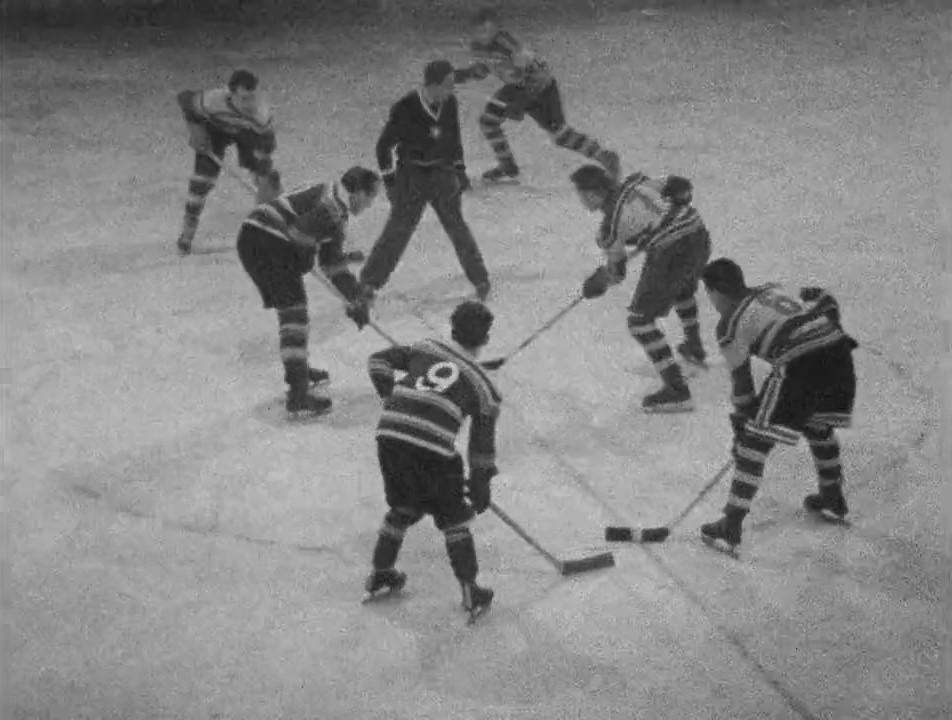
(480,491)
(390,185)
(596,284)
(358,311)
(464,183)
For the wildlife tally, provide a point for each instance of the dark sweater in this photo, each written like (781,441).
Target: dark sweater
(422,136)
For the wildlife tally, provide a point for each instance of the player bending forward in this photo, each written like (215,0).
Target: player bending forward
(654,216)
(216,119)
(279,242)
(529,88)
(442,384)
(809,392)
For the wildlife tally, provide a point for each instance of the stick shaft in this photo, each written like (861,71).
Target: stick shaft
(222,165)
(548,324)
(701,495)
(514,526)
(330,287)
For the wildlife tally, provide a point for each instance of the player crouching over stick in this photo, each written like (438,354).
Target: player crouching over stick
(279,242)
(442,384)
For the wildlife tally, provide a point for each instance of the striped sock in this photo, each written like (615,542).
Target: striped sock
(652,339)
(826,457)
(750,455)
(199,186)
(462,553)
(390,539)
(490,124)
(686,310)
(571,139)
(293,333)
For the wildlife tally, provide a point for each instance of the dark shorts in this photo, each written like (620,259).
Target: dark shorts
(245,146)
(545,106)
(670,275)
(274,265)
(815,392)
(420,482)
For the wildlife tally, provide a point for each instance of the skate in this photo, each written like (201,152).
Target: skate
(829,506)
(669,399)
(482,291)
(611,162)
(184,242)
(303,405)
(693,355)
(476,600)
(504,171)
(723,535)
(383,584)
(317,377)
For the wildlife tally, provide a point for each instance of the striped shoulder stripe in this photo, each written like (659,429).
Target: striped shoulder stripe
(484,386)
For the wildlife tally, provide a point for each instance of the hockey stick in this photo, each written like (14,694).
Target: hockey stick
(227,167)
(497,363)
(330,287)
(565,567)
(617,533)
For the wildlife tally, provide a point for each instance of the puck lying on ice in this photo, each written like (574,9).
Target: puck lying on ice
(658,534)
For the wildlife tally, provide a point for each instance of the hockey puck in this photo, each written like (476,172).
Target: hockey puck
(614,533)
(658,534)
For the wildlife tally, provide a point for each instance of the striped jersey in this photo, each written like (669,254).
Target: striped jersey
(442,384)
(312,215)
(778,325)
(216,108)
(506,58)
(638,216)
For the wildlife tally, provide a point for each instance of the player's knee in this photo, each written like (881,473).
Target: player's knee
(456,531)
(399,519)
(817,433)
(490,121)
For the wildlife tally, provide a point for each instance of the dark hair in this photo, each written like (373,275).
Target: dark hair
(592,178)
(471,321)
(485,15)
(678,190)
(244,79)
(724,276)
(360,179)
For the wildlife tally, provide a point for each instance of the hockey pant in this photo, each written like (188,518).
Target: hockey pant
(512,102)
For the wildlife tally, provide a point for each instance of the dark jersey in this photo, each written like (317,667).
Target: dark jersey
(313,215)
(422,134)
(638,216)
(506,58)
(215,108)
(778,325)
(441,387)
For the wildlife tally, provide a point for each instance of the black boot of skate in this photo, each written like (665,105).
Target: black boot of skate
(318,377)
(506,170)
(382,583)
(829,504)
(693,354)
(673,397)
(724,534)
(184,242)
(476,600)
(300,404)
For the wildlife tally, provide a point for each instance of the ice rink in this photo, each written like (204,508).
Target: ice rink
(174,549)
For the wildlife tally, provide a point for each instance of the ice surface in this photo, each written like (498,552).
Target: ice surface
(173,551)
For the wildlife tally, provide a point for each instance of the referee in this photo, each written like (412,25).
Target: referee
(424,130)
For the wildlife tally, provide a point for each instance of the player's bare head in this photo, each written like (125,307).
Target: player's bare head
(362,186)
(438,79)
(470,323)
(724,281)
(243,86)
(678,190)
(593,185)
(485,24)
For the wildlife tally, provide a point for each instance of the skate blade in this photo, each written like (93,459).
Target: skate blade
(372,597)
(670,408)
(829,518)
(721,546)
(475,614)
(305,416)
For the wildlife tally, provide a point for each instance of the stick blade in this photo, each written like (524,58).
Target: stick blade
(593,562)
(493,364)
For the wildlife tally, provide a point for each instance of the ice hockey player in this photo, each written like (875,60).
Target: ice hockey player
(279,242)
(809,391)
(653,216)
(529,88)
(233,115)
(424,130)
(423,474)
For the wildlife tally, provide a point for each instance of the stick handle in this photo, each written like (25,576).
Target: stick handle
(222,165)
(330,287)
(548,324)
(514,526)
(701,495)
